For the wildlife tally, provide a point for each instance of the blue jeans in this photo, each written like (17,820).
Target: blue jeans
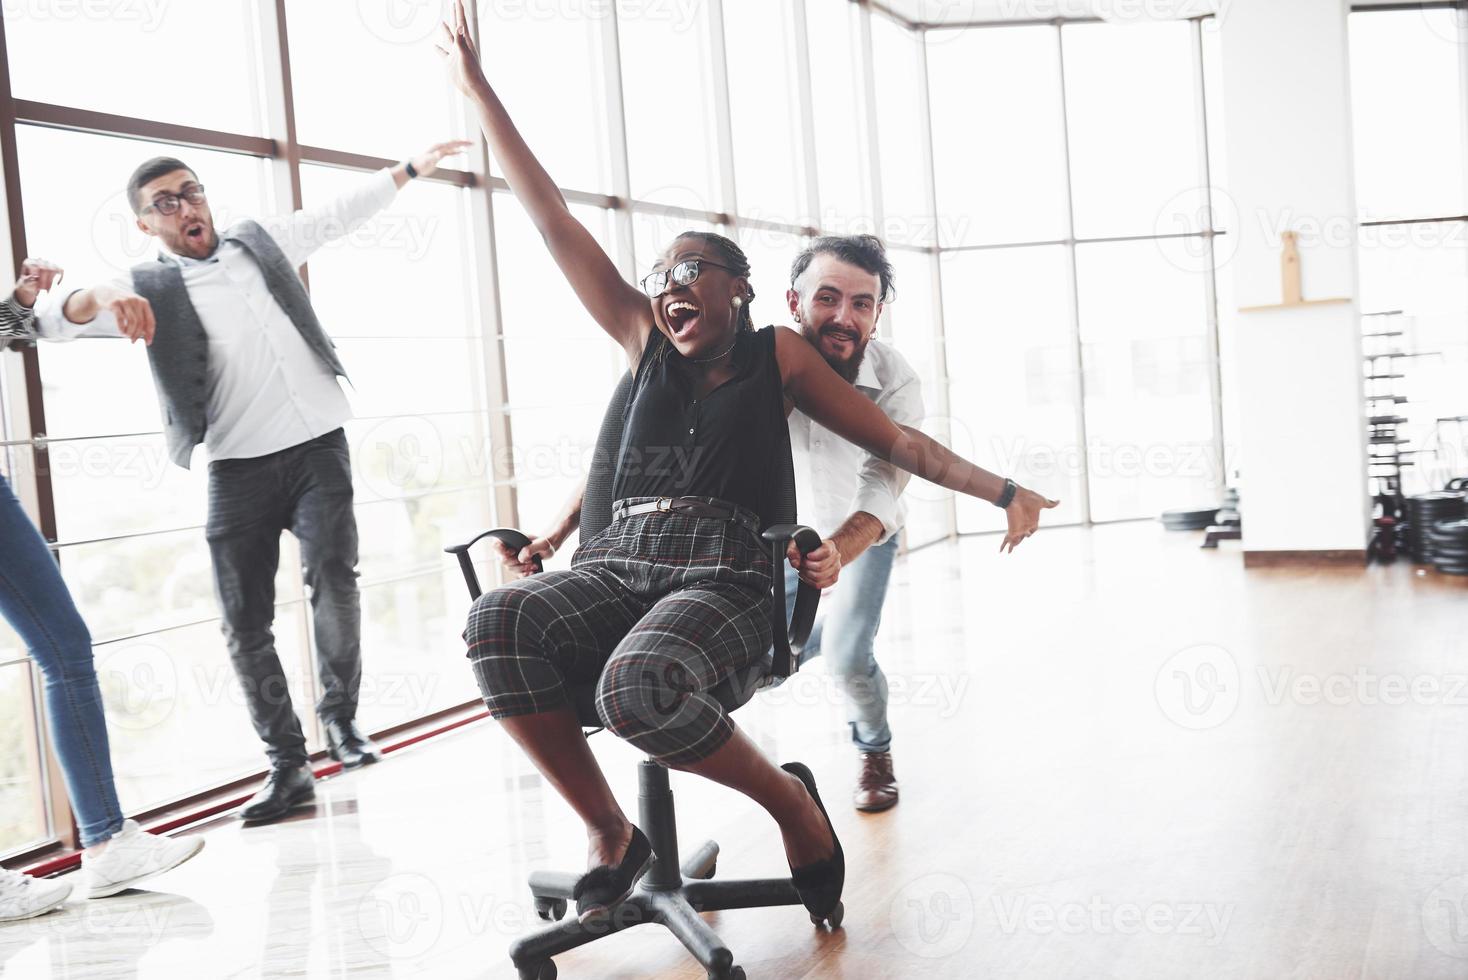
(34,600)
(846,632)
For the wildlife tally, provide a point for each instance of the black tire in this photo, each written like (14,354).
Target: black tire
(833,919)
(550,909)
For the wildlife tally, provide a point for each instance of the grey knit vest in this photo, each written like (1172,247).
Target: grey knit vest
(179,354)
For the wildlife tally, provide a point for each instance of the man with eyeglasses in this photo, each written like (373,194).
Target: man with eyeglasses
(243,366)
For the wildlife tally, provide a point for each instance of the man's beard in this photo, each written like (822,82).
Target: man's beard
(848,368)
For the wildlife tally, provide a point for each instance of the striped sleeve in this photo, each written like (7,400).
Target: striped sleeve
(16,322)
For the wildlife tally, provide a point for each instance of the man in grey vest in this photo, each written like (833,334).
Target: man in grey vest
(243,366)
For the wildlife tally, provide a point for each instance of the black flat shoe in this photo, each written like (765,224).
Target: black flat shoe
(820,882)
(604,887)
(346,744)
(284,790)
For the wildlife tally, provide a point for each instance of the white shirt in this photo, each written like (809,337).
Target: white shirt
(834,478)
(268,390)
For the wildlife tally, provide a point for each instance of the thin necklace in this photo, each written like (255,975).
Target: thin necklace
(716,357)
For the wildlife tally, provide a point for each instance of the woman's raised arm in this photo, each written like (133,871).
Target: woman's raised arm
(617,306)
(822,394)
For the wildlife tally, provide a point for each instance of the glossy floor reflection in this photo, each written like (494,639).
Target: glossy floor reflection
(1120,756)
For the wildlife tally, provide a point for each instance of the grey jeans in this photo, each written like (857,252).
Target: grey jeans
(307,490)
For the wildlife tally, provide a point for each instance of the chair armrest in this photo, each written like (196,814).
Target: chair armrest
(508,536)
(790,634)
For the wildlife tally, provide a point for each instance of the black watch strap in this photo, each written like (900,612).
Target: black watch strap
(1007,497)
(408,165)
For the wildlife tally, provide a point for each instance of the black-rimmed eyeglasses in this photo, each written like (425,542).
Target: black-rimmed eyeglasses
(683,273)
(170,203)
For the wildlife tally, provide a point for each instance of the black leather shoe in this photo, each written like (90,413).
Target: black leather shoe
(283,790)
(604,887)
(820,882)
(346,744)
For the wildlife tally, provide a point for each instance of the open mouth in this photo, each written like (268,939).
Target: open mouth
(681,316)
(195,232)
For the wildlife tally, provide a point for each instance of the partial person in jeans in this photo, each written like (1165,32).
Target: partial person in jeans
(35,602)
(243,365)
(838,286)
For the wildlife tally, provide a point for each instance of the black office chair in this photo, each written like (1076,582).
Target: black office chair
(669,894)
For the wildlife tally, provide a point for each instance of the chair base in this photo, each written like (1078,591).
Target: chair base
(668,895)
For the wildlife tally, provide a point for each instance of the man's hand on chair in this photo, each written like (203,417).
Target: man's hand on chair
(821,567)
(520,565)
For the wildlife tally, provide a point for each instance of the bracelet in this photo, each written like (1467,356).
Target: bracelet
(408,165)
(1007,497)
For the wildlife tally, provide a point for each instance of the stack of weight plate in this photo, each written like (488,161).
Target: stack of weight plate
(1450,546)
(1425,510)
(1188,520)
(1229,514)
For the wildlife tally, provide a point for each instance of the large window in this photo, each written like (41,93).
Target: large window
(998,142)
(671,135)
(190,62)
(1409,116)
(1070,170)
(765,110)
(478,380)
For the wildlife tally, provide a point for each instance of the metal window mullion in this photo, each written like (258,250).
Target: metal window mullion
(37,490)
(73,119)
(280,106)
(1461,22)
(1073,271)
(935,271)
(285,168)
(868,68)
(723,115)
(491,310)
(53,804)
(59,820)
(1210,280)
(877,6)
(611,42)
(968,25)
(807,114)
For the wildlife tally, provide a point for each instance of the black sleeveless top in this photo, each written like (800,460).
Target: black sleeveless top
(732,443)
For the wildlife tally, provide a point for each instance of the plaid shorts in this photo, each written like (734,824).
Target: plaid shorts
(656,611)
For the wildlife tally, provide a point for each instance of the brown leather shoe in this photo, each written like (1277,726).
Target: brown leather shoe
(876,787)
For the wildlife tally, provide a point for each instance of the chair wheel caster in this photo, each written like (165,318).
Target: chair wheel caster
(709,873)
(834,919)
(733,973)
(551,910)
(541,971)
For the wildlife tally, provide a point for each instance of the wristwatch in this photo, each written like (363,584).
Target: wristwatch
(408,166)
(1007,497)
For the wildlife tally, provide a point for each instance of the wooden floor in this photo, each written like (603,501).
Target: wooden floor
(1120,757)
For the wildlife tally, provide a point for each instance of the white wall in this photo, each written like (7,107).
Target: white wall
(1287,118)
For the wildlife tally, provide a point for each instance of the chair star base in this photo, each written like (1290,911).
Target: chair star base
(668,895)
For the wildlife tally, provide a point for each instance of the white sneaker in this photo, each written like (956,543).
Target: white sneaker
(133,856)
(22,897)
